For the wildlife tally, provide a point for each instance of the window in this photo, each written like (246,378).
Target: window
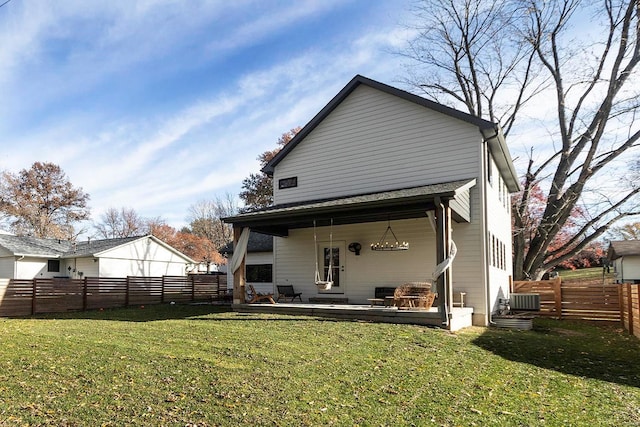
(288,182)
(489,168)
(260,273)
(53,266)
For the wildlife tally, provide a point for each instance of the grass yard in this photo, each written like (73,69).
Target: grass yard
(201,365)
(583,274)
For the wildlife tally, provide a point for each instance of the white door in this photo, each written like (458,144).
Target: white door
(337,251)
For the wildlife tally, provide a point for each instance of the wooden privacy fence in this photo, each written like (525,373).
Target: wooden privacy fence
(630,307)
(27,297)
(589,299)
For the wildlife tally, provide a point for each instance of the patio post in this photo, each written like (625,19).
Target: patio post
(443,236)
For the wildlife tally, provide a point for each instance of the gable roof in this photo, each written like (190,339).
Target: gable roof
(489,130)
(620,248)
(57,248)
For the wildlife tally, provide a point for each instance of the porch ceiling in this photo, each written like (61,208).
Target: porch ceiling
(387,205)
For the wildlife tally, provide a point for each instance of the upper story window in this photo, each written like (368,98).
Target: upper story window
(489,168)
(288,182)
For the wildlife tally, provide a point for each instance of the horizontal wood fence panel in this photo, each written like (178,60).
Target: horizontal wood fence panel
(589,299)
(28,297)
(630,307)
(16,297)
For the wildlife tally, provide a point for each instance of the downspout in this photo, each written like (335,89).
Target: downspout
(484,223)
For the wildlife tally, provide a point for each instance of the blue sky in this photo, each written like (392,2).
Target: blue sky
(154,105)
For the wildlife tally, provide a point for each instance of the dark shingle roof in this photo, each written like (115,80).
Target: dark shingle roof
(258,242)
(91,247)
(620,248)
(33,246)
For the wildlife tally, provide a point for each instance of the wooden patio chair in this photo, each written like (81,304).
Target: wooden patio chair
(255,296)
(286,291)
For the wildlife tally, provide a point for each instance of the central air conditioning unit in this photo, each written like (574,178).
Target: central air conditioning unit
(529,302)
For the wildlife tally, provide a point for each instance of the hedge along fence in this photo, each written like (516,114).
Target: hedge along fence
(630,307)
(585,299)
(27,297)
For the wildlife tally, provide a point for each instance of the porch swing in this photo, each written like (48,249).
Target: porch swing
(324,285)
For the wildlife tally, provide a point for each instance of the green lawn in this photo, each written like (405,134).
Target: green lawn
(583,274)
(200,365)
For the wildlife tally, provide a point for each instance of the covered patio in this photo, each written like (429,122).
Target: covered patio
(440,203)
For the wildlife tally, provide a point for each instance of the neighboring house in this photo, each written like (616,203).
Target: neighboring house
(259,262)
(31,257)
(376,156)
(625,257)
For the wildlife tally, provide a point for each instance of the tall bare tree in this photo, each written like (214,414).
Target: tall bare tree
(123,222)
(494,57)
(42,202)
(205,219)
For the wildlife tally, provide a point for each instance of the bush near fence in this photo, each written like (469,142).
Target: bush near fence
(27,297)
(593,299)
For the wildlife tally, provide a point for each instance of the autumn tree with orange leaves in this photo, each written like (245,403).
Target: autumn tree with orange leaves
(198,248)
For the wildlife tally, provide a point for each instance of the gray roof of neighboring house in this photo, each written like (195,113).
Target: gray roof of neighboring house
(258,242)
(91,247)
(620,248)
(57,248)
(34,246)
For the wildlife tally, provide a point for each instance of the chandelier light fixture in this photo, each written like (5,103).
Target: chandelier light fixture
(389,242)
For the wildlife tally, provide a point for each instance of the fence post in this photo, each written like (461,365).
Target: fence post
(621,304)
(34,292)
(126,293)
(557,291)
(193,287)
(84,293)
(630,307)
(162,291)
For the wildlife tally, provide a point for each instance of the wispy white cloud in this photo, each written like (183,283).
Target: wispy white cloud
(163,158)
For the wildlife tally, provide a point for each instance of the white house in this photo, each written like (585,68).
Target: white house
(625,257)
(30,257)
(377,159)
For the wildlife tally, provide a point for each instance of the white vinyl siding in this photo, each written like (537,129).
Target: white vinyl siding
(295,258)
(82,267)
(499,240)
(29,268)
(143,257)
(627,269)
(467,266)
(7,266)
(374,141)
